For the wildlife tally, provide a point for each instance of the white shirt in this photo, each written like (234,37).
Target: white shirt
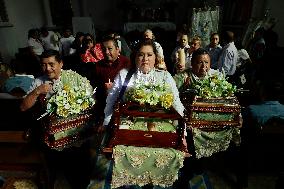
(41,80)
(161,76)
(36,46)
(228,59)
(243,55)
(51,41)
(65,44)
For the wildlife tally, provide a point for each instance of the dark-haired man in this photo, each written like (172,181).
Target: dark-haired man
(73,162)
(104,71)
(229,55)
(200,63)
(51,65)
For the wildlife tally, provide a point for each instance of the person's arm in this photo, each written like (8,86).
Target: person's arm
(180,79)
(31,98)
(177,105)
(112,98)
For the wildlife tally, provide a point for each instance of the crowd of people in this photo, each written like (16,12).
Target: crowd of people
(107,62)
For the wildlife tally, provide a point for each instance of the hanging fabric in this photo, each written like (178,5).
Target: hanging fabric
(204,22)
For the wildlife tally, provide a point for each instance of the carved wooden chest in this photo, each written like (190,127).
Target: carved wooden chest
(135,125)
(63,132)
(212,113)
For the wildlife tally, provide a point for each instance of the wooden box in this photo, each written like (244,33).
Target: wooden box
(212,113)
(146,137)
(63,132)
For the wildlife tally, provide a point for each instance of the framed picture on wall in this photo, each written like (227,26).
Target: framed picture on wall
(4,19)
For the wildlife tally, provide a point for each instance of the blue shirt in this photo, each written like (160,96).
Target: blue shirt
(214,55)
(22,81)
(266,110)
(228,59)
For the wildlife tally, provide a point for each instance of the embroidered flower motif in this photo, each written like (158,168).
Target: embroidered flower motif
(137,157)
(163,159)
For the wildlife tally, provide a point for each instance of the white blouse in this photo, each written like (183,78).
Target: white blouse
(160,76)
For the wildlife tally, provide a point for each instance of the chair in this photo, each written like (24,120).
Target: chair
(19,157)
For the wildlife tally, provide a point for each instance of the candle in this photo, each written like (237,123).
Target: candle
(181,56)
(108,80)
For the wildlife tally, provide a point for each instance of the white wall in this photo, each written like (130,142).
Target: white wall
(104,13)
(23,15)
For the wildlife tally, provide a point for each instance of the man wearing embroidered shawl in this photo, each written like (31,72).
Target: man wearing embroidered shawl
(74,162)
(200,67)
(205,143)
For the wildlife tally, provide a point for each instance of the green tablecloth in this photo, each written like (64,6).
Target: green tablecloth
(207,143)
(143,165)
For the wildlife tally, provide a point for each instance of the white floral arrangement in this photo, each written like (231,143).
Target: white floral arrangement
(214,85)
(73,95)
(149,92)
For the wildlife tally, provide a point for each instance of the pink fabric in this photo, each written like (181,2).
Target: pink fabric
(94,54)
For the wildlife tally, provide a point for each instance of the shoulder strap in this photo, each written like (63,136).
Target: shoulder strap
(126,81)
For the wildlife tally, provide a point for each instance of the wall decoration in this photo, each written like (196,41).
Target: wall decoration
(204,22)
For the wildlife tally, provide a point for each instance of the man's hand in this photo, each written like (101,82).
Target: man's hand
(44,88)
(30,99)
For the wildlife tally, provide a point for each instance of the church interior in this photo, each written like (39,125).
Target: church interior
(252,161)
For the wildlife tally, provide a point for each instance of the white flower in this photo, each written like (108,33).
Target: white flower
(243,79)
(74,95)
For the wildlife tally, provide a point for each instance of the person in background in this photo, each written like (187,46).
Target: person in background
(73,162)
(269,92)
(201,64)
(49,39)
(182,30)
(229,55)
(257,46)
(20,83)
(123,46)
(245,70)
(76,46)
(91,52)
(214,49)
(102,73)
(180,55)
(66,42)
(148,34)
(194,45)
(34,42)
